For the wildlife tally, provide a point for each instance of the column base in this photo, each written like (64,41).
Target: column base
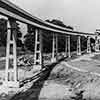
(97,50)
(88,51)
(65,56)
(69,56)
(53,60)
(78,54)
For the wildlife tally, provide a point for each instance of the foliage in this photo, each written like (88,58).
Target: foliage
(19,36)
(29,41)
(47,38)
(30,38)
(61,39)
(59,23)
(3,33)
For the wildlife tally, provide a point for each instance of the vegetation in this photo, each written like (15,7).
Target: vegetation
(3,33)
(47,38)
(59,23)
(30,38)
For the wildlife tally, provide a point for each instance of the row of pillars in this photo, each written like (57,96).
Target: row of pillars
(54,57)
(11,77)
(55,48)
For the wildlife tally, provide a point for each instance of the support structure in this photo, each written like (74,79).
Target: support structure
(54,48)
(66,46)
(88,45)
(11,56)
(38,50)
(79,45)
(96,44)
(69,53)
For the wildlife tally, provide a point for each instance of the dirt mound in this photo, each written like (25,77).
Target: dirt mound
(77,80)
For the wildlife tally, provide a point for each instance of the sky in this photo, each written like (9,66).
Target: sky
(82,15)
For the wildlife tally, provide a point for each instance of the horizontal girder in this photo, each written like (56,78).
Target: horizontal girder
(10,10)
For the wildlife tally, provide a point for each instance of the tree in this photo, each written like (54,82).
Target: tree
(61,39)
(19,36)
(3,33)
(30,38)
(59,23)
(73,43)
(47,38)
(29,41)
(83,43)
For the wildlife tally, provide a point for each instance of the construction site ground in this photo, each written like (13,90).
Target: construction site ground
(65,79)
(72,76)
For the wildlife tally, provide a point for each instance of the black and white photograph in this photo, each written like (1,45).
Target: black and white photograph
(49,49)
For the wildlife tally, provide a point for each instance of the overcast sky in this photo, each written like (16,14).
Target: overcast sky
(83,15)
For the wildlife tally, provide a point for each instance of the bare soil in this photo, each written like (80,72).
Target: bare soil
(64,80)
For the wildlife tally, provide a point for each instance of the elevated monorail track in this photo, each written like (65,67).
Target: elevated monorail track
(11,10)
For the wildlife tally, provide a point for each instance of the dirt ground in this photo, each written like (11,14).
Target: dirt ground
(70,77)
(65,80)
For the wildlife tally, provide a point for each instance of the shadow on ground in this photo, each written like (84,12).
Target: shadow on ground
(34,92)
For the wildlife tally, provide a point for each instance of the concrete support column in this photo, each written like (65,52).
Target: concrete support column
(88,45)
(54,48)
(38,50)
(11,73)
(66,46)
(79,45)
(69,53)
(96,44)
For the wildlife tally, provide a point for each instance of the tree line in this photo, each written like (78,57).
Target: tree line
(29,38)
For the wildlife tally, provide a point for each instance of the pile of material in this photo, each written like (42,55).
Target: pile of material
(78,81)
